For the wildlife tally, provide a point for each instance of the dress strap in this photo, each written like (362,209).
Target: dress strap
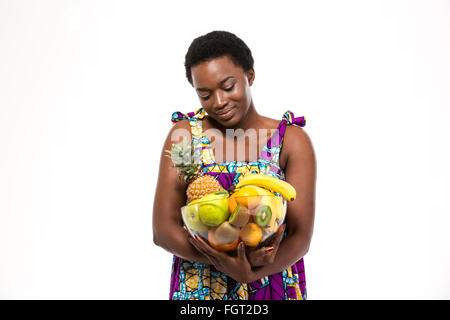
(202,146)
(195,115)
(273,147)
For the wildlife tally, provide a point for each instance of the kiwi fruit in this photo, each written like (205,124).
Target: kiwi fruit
(226,233)
(240,216)
(263,215)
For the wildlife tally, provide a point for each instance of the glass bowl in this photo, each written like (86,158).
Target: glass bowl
(223,220)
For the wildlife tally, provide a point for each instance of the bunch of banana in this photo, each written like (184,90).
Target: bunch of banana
(282,187)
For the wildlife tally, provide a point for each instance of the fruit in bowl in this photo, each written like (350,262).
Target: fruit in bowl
(211,219)
(251,213)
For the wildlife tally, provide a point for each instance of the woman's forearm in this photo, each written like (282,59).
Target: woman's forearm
(177,243)
(291,249)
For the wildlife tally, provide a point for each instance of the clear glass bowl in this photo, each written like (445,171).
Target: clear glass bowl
(223,220)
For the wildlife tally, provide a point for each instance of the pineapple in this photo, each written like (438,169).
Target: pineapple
(189,170)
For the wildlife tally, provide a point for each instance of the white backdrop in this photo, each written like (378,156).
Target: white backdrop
(87,89)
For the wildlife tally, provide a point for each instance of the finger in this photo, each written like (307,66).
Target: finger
(210,250)
(268,250)
(241,251)
(195,245)
(282,228)
(200,249)
(198,246)
(279,235)
(261,252)
(212,260)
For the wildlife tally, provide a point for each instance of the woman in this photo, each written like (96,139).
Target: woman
(219,66)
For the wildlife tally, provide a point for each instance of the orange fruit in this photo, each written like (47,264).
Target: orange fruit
(232,204)
(248,197)
(221,247)
(251,234)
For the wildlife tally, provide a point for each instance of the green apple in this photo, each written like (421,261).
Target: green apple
(213,208)
(191,217)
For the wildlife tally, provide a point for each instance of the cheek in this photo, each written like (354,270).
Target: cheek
(244,97)
(239,93)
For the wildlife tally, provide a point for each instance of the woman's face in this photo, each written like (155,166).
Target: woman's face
(223,89)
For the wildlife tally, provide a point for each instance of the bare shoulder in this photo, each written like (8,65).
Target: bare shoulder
(181,125)
(297,145)
(296,137)
(178,132)
(168,178)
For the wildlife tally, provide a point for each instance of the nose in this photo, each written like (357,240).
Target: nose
(220,99)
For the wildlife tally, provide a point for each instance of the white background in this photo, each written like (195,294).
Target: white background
(87,89)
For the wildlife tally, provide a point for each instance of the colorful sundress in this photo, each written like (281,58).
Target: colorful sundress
(200,281)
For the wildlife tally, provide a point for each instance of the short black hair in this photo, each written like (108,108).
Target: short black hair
(216,44)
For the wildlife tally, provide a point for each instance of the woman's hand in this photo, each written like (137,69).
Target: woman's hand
(238,267)
(266,255)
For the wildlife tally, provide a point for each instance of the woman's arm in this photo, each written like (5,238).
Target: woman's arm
(170,196)
(300,172)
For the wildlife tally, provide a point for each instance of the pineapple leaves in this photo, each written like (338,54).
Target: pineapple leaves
(185,160)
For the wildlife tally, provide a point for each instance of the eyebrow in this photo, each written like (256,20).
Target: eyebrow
(205,89)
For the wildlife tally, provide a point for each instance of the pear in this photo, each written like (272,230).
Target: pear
(191,217)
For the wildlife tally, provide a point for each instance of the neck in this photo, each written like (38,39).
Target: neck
(250,120)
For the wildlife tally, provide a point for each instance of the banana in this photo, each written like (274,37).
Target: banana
(260,191)
(282,187)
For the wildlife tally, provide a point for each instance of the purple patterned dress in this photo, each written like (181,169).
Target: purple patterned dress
(199,281)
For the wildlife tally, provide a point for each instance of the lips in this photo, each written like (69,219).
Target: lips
(226,114)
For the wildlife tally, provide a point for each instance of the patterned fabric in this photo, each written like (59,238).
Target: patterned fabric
(199,281)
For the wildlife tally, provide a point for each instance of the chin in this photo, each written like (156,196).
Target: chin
(231,122)
(237,118)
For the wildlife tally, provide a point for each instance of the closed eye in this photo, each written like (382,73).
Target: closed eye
(226,89)
(230,88)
